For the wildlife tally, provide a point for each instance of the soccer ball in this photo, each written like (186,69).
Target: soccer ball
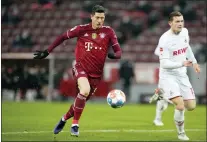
(116,98)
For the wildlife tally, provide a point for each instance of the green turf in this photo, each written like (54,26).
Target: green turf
(35,122)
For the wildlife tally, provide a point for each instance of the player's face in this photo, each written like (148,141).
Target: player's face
(97,20)
(177,24)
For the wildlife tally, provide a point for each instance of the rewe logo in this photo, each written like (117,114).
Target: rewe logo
(180,51)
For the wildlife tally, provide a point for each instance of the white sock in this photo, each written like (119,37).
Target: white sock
(161,106)
(179,120)
(74,125)
(63,119)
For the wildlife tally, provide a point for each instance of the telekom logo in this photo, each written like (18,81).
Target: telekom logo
(89,46)
(180,51)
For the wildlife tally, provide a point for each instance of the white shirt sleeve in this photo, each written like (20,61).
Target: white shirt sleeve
(157,51)
(163,49)
(189,53)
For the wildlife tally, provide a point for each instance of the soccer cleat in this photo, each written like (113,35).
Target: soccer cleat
(158,122)
(182,136)
(74,131)
(157,95)
(59,126)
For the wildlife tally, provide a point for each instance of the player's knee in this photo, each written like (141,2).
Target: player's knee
(191,107)
(84,86)
(180,107)
(165,106)
(85,90)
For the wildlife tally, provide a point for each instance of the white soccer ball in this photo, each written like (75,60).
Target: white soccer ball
(116,98)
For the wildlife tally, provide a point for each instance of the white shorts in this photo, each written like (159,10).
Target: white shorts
(174,86)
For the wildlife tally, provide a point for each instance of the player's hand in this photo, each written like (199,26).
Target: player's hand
(197,68)
(41,54)
(111,56)
(187,63)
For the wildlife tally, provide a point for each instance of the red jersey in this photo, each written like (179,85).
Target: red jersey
(92,47)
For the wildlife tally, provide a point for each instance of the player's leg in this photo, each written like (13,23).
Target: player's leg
(188,94)
(190,105)
(81,88)
(187,102)
(87,87)
(189,98)
(160,108)
(79,103)
(70,112)
(171,87)
(179,117)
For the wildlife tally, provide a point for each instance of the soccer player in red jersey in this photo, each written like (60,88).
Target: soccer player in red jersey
(93,42)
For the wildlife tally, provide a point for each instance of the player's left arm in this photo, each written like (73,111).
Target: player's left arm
(115,45)
(190,56)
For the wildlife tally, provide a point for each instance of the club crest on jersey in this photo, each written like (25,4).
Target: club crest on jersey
(161,49)
(102,35)
(94,35)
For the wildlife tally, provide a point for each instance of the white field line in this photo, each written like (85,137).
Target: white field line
(105,131)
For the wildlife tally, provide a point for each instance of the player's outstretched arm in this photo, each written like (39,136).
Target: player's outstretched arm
(43,54)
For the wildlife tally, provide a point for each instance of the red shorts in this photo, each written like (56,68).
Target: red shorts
(78,72)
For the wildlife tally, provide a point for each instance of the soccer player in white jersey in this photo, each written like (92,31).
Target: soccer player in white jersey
(175,55)
(162,104)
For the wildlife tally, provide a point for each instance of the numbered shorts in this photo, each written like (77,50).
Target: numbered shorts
(78,72)
(174,86)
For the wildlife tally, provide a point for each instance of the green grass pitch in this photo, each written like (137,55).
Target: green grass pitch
(35,122)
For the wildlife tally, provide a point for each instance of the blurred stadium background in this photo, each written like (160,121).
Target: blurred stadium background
(30,25)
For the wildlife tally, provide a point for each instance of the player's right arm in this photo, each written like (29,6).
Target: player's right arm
(71,33)
(164,55)
(157,51)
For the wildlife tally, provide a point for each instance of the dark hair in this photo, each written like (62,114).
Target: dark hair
(174,14)
(98,8)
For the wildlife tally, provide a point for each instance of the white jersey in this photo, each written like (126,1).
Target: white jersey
(175,49)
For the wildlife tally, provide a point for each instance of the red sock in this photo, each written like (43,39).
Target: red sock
(79,105)
(70,113)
